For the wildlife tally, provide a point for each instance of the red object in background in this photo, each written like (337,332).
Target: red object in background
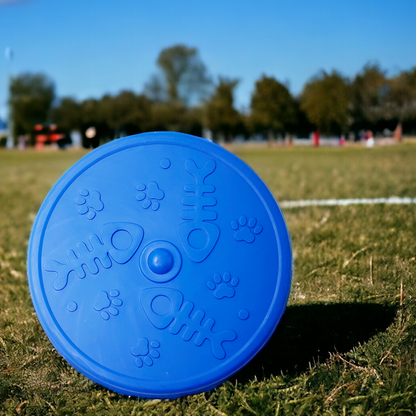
(315,138)
(397,134)
(56,136)
(40,140)
(342,140)
(368,134)
(46,135)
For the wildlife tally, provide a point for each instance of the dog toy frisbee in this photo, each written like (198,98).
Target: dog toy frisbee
(159,265)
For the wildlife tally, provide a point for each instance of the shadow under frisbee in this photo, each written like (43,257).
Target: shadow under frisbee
(309,333)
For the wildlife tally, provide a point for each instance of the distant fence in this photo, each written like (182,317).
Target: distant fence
(323,141)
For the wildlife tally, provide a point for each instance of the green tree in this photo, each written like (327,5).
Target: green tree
(368,97)
(221,116)
(67,114)
(167,116)
(31,97)
(184,78)
(90,113)
(125,113)
(401,98)
(155,89)
(325,100)
(272,106)
(302,126)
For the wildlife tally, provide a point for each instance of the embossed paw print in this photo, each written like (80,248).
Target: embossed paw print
(223,286)
(108,304)
(246,230)
(88,203)
(150,195)
(145,352)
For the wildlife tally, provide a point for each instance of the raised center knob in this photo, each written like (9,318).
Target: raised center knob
(160,261)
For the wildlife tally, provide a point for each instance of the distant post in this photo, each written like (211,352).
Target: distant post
(8,54)
(316,138)
(397,134)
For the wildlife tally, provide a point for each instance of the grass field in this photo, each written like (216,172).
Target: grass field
(346,344)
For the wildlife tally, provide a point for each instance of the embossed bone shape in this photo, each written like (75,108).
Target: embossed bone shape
(98,251)
(198,236)
(178,314)
(199,250)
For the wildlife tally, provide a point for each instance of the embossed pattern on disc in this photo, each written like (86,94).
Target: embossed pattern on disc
(159,265)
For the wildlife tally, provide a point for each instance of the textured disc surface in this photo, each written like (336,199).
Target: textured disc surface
(159,265)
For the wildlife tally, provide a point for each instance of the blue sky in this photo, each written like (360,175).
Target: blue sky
(93,47)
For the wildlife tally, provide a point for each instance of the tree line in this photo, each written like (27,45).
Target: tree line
(182,96)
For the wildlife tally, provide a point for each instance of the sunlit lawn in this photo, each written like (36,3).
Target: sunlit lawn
(346,344)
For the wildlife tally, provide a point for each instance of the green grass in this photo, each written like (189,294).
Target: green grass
(346,344)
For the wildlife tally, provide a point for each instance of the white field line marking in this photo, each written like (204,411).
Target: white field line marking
(332,202)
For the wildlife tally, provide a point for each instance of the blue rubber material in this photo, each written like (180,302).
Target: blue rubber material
(159,265)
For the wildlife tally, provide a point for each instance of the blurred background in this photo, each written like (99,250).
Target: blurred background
(84,73)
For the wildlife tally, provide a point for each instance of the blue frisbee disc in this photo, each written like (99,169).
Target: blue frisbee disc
(159,265)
